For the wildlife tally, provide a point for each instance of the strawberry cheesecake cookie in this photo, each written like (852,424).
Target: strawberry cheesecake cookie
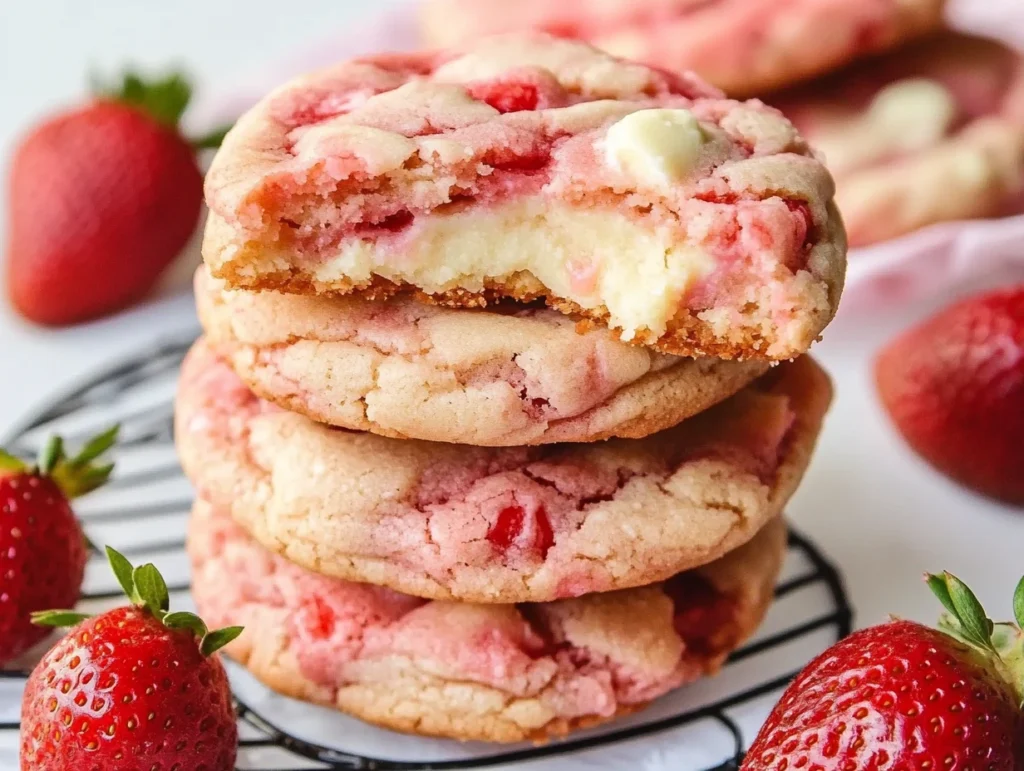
(535,168)
(508,375)
(926,135)
(746,47)
(501,673)
(498,525)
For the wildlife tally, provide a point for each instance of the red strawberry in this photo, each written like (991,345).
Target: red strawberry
(103,198)
(42,550)
(903,696)
(955,388)
(135,689)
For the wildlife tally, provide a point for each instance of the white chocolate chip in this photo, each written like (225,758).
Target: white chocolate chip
(656,147)
(917,110)
(905,116)
(381,151)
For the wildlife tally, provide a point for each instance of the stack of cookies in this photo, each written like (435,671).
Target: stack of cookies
(485,426)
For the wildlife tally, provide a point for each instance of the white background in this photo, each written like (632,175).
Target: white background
(867,500)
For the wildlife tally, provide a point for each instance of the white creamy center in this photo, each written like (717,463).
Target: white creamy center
(639,273)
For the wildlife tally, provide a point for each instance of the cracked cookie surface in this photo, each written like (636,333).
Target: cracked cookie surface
(498,525)
(500,673)
(528,167)
(503,377)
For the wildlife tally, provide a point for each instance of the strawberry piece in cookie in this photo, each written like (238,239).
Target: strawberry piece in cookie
(528,168)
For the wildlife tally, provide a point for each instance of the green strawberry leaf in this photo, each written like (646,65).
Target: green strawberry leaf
(938,586)
(123,571)
(165,98)
(185,620)
(9,463)
(50,454)
(1018,604)
(58,618)
(152,589)
(216,640)
(78,475)
(90,479)
(96,446)
(971,615)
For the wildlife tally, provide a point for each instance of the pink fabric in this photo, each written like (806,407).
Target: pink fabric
(931,261)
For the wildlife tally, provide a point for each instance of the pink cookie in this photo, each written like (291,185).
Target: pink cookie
(746,47)
(502,377)
(925,135)
(530,167)
(499,525)
(501,673)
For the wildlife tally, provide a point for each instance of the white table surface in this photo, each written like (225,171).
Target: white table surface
(875,509)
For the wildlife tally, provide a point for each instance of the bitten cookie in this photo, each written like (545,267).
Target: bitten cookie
(500,673)
(506,376)
(925,135)
(530,167)
(523,524)
(746,47)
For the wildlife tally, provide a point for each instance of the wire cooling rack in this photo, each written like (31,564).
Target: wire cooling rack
(142,512)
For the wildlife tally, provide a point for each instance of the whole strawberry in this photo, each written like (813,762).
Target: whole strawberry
(102,199)
(954,386)
(901,696)
(135,689)
(42,549)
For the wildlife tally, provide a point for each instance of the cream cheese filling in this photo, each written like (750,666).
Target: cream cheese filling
(639,273)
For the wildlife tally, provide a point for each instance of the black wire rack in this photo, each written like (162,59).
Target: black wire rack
(142,512)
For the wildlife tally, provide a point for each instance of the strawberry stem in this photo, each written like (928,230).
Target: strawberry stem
(146,588)
(967,621)
(164,99)
(74,476)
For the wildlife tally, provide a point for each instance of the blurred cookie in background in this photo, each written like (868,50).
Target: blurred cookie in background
(745,47)
(932,133)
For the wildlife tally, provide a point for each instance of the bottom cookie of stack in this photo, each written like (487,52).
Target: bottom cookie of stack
(501,673)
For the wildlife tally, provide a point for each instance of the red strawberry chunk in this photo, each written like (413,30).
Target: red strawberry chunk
(516,528)
(315,619)
(701,613)
(506,96)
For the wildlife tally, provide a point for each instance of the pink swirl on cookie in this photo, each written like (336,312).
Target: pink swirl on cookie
(500,524)
(530,167)
(493,672)
(746,47)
